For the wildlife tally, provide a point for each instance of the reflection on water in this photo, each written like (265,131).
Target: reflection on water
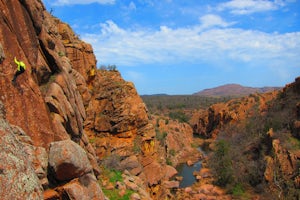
(186,172)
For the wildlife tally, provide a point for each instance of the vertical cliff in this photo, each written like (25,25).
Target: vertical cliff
(45,105)
(66,120)
(20,28)
(256,143)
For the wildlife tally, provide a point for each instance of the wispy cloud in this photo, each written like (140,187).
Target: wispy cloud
(134,76)
(74,2)
(242,7)
(132,6)
(114,45)
(212,20)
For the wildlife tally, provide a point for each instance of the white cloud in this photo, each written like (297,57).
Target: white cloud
(242,7)
(192,44)
(132,6)
(211,20)
(73,2)
(134,76)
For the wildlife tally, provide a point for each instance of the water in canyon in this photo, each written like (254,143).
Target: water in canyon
(186,172)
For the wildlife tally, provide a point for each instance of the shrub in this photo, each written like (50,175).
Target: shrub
(179,115)
(161,136)
(172,152)
(137,143)
(61,54)
(112,162)
(112,67)
(169,162)
(221,164)
(44,87)
(238,190)
(108,67)
(114,194)
(115,176)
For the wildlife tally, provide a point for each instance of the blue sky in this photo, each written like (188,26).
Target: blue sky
(184,46)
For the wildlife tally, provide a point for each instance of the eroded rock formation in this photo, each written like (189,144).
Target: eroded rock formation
(46,102)
(56,108)
(18,179)
(208,122)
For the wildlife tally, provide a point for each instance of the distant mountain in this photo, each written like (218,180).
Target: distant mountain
(234,90)
(162,94)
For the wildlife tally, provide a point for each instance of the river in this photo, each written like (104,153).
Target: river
(186,172)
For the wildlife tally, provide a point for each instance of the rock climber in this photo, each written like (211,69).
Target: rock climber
(21,67)
(2,55)
(91,75)
(92,72)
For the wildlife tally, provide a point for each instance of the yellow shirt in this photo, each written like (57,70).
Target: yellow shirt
(20,64)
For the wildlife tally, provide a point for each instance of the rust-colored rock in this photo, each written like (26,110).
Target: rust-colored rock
(178,140)
(170,172)
(18,179)
(171,184)
(68,160)
(286,161)
(24,100)
(154,173)
(269,172)
(208,122)
(132,164)
(115,106)
(2,55)
(51,195)
(81,54)
(296,129)
(85,188)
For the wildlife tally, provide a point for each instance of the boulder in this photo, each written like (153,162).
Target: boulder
(51,195)
(2,55)
(171,184)
(154,173)
(84,188)
(17,176)
(68,160)
(135,196)
(132,164)
(170,172)
(188,190)
(296,129)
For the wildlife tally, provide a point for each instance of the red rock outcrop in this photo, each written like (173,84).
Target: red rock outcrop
(208,122)
(80,54)
(119,128)
(276,150)
(18,179)
(177,139)
(47,101)
(52,101)
(68,160)
(115,106)
(19,29)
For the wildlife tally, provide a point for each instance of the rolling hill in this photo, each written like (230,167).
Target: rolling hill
(233,90)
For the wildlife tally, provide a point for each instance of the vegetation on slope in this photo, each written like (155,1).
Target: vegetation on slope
(239,160)
(171,102)
(179,107)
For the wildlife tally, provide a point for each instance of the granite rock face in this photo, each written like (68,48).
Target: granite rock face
(46,104)
(68,160)
(18,179)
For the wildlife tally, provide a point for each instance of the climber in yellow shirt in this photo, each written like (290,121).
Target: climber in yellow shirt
(21,67)
(91,76)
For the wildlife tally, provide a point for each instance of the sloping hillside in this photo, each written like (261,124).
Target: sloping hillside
(235,90)
(71,132)
(256,151)
(61,121)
